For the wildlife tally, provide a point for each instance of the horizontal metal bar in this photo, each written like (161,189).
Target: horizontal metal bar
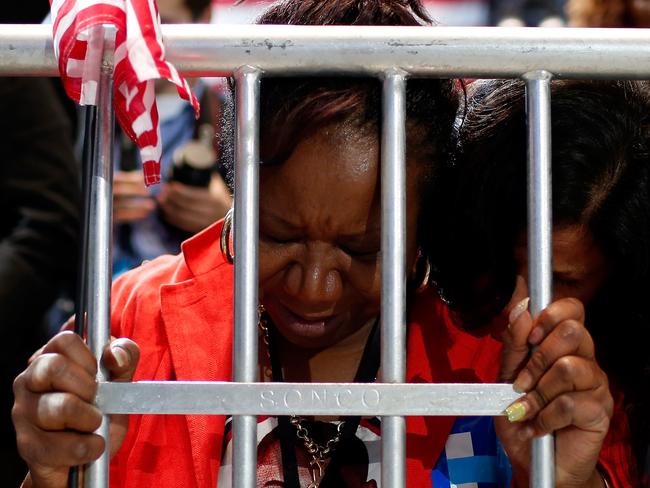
(485,52)
(199,397)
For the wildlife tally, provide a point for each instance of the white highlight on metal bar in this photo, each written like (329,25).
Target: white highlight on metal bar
(540,227)
(393,270)
(286,50)
(245,225)
(99,247)
(338,399)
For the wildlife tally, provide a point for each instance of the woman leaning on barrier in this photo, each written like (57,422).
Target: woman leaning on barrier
(320,298)
(601,240)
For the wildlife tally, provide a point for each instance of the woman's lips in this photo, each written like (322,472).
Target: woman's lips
(304,327)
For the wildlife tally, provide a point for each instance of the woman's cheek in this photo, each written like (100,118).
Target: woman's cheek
(365,278)
(275,260)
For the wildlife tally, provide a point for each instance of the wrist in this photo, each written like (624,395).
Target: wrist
(46,480)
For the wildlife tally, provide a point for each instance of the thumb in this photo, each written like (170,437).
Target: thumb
(121,358)
(516,350)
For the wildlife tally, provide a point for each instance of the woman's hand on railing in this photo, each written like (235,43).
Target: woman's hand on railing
(566,392)
(53,411)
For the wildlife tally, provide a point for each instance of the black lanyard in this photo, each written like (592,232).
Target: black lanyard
(366,373)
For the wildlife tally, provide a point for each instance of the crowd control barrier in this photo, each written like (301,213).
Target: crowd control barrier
(392,54)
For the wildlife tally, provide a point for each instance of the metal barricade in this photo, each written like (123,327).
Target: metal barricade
(392,54)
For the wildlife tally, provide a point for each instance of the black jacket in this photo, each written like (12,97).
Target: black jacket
(39,212)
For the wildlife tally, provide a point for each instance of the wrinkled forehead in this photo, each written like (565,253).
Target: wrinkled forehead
(331,182)
(334,158)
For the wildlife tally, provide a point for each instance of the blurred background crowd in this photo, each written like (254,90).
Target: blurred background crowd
(40,172)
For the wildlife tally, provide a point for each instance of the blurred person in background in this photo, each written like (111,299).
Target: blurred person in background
(459,12)
(608,13)
(39,197)
(39,193)
(522,13)
(24,12)
(154,221)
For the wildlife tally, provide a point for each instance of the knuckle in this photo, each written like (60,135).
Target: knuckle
(17,413)
(95,419)
(540,397)
(565,406)
(606,401)
(55,364)
(57,406)
(538,361)
(69,406)
(19,384)
(65,339)
(577,305)
(81,451)
(25,445)
(96,446)
(55,410)
(542,424)
(566,368)
(44,369)
(571,331)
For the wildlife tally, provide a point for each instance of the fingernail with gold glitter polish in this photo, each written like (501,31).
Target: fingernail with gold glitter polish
(518,310)
(516,411)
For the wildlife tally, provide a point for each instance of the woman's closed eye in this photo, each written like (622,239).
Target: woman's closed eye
(566,281)
(361,252)
(279,237)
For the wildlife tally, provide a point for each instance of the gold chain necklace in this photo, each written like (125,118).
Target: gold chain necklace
(320,455)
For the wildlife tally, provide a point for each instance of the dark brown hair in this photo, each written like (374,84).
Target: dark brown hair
(292,109)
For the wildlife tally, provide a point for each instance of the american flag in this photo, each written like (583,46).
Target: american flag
(139,61)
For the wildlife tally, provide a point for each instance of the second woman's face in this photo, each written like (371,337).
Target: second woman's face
(579,266)
(320,237)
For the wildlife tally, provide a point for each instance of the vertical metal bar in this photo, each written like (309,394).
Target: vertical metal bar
(81,306)
(540,226)
(245,224)
(90,114)
(393,274)
(99,248)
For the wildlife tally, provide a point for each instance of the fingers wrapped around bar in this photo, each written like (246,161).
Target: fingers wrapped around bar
(551,361)
(53,412)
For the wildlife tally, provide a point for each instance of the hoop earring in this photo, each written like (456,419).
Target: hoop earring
(226,232)
(424,272)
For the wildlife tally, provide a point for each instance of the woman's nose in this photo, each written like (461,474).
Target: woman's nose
(314,279)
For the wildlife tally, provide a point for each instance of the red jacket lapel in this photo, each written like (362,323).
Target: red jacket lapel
(198,323)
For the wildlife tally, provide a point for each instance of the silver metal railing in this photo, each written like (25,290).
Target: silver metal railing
(245,224)
(540,223)
(393,54)
(393,269)
(98,291)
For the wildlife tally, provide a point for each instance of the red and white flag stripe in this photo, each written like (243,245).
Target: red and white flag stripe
(139,60)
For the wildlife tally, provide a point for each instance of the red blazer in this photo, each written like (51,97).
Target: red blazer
(179,309)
